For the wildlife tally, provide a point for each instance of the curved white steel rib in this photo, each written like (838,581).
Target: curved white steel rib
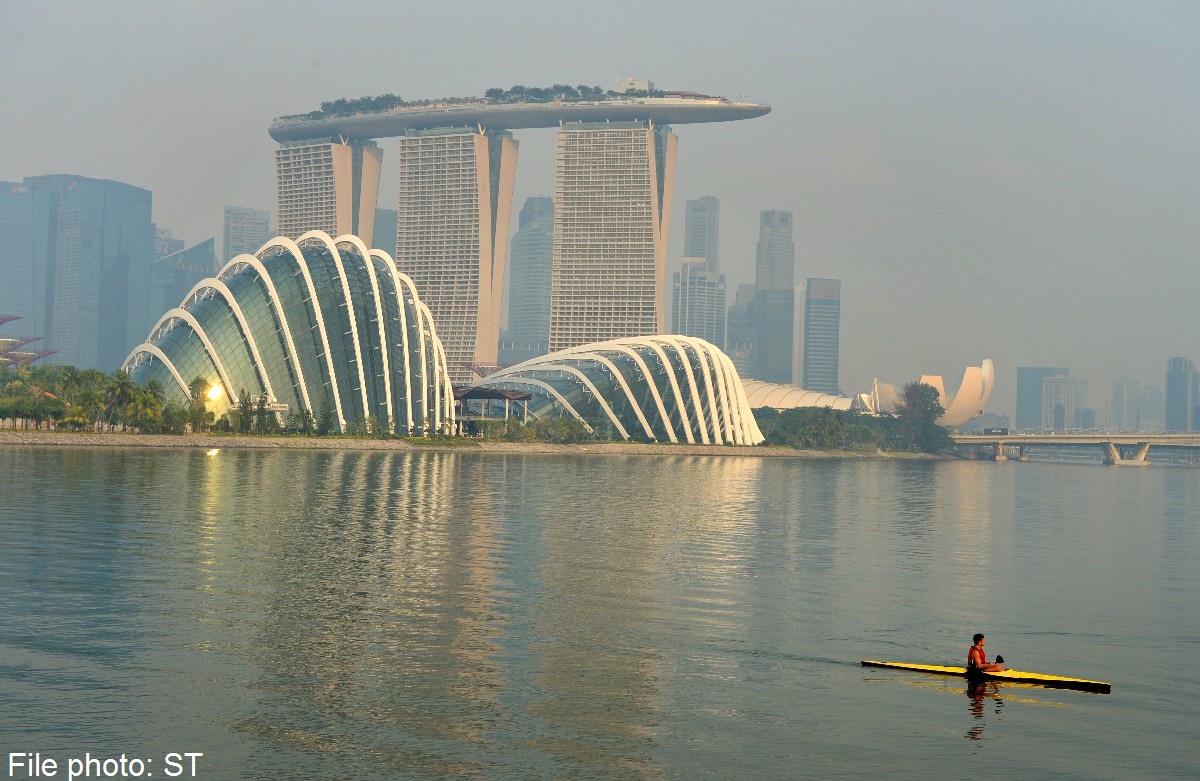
(227,296)
(362,251)
(153,349)
(727,419)
(276,302)
(351,310)
(179,313)
(294,248)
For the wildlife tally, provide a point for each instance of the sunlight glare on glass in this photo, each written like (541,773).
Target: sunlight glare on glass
(214,393)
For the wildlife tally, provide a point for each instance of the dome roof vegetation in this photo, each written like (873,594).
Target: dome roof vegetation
(343,107)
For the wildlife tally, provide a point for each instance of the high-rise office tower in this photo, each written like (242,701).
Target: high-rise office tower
(741,331)
(1151,404)
(328,185)
(821,335)
(1029,393)
(1064,398)
(612,197)
(165,243)
(1125,394)
(774,298)
(530,269)
(104,247)
(698,307)
(28,227)
(452,235)
(699,301)
(1183,396)
(702,230)
(173,276)
(246,230)
(775,255)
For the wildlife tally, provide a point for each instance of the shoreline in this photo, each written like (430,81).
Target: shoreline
(17,437)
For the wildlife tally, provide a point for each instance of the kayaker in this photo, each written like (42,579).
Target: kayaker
(977,658)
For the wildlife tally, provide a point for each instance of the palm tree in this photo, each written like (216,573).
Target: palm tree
(120,393)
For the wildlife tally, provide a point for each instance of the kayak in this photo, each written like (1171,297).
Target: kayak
(1011,676)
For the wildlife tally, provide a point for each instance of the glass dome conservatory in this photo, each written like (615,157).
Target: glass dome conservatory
(311,322)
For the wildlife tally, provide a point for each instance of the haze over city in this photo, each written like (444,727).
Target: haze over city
(1013,182)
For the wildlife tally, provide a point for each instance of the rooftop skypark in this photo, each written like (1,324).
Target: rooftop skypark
(381,116)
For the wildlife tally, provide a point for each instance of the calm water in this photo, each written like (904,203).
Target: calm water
(441,615)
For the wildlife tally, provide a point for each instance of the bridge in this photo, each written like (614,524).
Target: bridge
(1123,449)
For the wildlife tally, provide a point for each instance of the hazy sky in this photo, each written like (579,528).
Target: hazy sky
(1008,180)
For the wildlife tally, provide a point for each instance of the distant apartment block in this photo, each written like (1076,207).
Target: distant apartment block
(327,185)
(455,198)
(245,231)
(612,199)
(530,270)
(821,335)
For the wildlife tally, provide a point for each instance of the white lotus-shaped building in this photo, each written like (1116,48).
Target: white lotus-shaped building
(307,322)
(656,388)
(970,400)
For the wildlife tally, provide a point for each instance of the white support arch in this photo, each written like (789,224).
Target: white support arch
(357,244)
(226,294)
(277,303)
(179,313)
(351,315)
(153,350)
(281,242)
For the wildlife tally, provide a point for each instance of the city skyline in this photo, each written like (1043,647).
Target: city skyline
(940,178)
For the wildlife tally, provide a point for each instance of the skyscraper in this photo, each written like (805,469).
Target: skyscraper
(774,297)
(741,331)
(1183,396)
(452,235)
(246,230)
(612,197)
(104,247)
(702,230)
(1125,393)
(699,301)
(698,288)
(821,335)
(1029,394)
(329,185)
(1064,398)
(173,276)
(530,267)
(775,256)
(28,228)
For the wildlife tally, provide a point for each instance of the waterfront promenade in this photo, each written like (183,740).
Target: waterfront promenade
(208,442)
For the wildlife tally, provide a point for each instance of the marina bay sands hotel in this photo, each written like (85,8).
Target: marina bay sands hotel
(615,171)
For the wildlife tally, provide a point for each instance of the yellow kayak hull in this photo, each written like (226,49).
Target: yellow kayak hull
(1011,676)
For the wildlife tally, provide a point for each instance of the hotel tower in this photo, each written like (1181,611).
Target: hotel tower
(452,218)
(329,185)
(612,197)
